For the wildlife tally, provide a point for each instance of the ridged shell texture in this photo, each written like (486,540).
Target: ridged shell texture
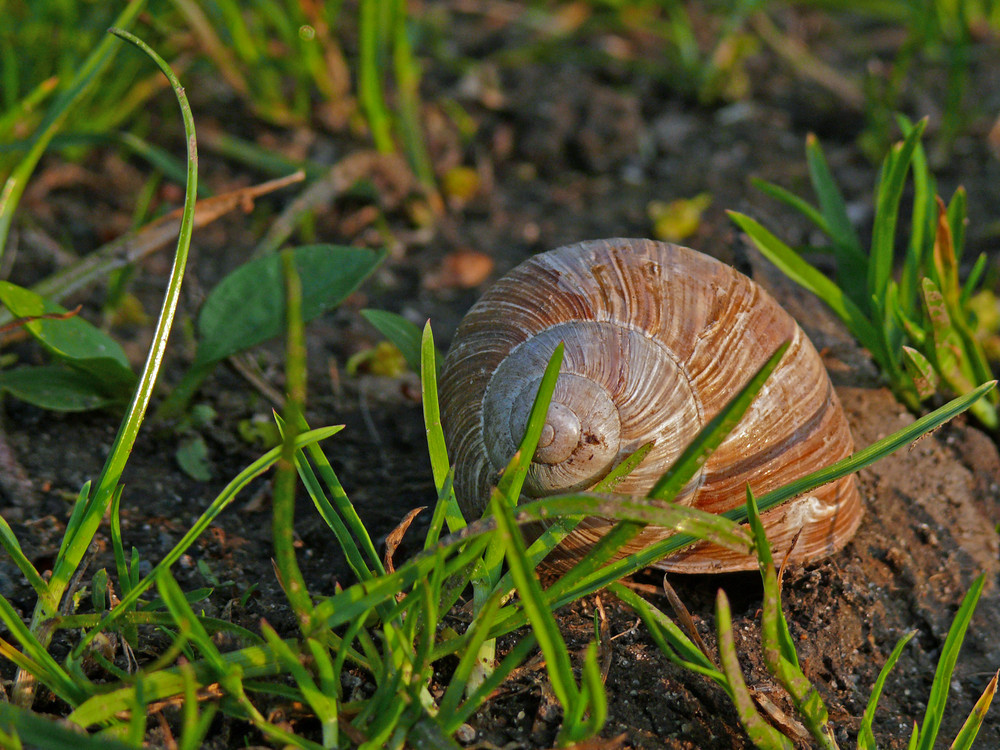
(658,338)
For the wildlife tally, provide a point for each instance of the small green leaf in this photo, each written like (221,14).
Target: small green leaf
(401,332)
(192,456)
(248,306)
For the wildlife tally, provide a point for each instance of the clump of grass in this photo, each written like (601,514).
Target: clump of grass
(920,329)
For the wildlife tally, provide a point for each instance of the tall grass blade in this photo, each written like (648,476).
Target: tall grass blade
(792,265)
(967,734)
(866,740)
(946,664)
(533,601)
(762,734)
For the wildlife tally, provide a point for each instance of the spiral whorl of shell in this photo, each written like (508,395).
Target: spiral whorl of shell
(658,338)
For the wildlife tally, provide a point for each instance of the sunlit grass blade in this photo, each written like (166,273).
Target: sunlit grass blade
(851,260)
(780,638)
(889,194)
(194,726)
(13,548)
(711,436)
(532,599)
(323,705)
(36,731)
(622,470)
(224,498)
(791,200)
(513,477)
(345,540)
(478,628)
(762,734)
(867,456)
(792,265)
(866,740)
(670,639)
(438,451)
(511,661)
(938,697)
(658,550)
(335,506)
(967,734)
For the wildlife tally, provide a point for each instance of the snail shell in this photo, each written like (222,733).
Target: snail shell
(658,338)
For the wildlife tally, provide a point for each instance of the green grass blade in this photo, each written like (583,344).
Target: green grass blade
(37,731)
(967,734)
(543,623)
(512,480)
(228,494)
(852,263)
(890,191)
(867,456)
(436,447)
(13,548)
(644,558)
(339,500)
(791,200)
(14,187)
(946,664)
(866,740)
(762,734)
(622,470)
(779,640)
(956,220)
(670,639)
(47,670)
(511,661)
(711,436)
(129,429)
(805,275)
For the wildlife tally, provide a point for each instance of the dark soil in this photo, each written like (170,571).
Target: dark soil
(565,151)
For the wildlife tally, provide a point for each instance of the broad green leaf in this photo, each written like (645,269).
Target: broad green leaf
(248,306)
(74,340)
(56,388)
